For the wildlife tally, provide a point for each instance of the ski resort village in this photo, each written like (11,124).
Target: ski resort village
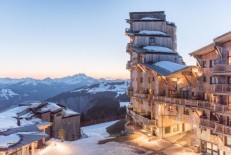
(165,108)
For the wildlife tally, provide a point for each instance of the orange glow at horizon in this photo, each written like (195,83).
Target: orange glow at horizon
(39,76)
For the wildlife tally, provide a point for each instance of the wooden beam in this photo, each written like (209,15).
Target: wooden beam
(218,51)
(187,80)
(142,68)
(186,73)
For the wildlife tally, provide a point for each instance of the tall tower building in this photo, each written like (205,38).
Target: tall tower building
(167,97)
(153,61)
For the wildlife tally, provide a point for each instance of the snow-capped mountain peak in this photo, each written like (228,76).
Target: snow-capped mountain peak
(118,86)
(7,93)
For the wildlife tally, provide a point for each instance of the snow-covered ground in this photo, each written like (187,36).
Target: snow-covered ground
(90,146)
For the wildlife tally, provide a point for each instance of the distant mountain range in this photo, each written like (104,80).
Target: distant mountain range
(98,101)
(15,91)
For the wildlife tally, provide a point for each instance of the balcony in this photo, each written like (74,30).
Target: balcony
(131,63)
(223,129)
(140,95)
(141,119)
(221,67)
(128,30)
(207,123)
(200,104)
(128,47)
(222,88)
(129,92)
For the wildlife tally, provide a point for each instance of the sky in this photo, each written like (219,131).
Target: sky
(56,38)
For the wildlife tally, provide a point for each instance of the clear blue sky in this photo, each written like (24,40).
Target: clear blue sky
(55,38)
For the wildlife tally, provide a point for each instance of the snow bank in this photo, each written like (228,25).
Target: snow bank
(159,49)
(170,66)
(6,141)
(152,32)
(124,104)
(98,130)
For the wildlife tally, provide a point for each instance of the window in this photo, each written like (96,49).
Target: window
(149,80)
(141,79)
(204,64)
(170,108)
(229,57)
(211,63)
(228,141)
(151,40)
(167,130)
(213,80)
(204,78)
(186,111)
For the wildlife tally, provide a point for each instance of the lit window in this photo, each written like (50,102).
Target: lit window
(167,129)
(229,57)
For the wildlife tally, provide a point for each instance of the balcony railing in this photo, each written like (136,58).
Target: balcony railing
(128,46)
(223,129)
(207,123)
(140,95)
(128,30)
(142,119)
(131,63)
(193,103)
(222,68)
(222,88)
(219,61)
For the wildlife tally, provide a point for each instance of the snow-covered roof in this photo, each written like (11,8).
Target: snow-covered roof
(20,136)
(6,141)
(149,32)
(50,107)
(68,112)
(170,66)
(165,67)
(158,49)
(7,123)
(149,18)
(14,111)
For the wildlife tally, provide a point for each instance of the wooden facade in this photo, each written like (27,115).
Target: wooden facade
(166,102)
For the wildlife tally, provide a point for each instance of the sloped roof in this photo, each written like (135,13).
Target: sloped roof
(165,67)
(143,50)
(20,136)
(204,50)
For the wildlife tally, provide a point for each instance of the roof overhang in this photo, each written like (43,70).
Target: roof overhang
(204,50)
(223,38)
